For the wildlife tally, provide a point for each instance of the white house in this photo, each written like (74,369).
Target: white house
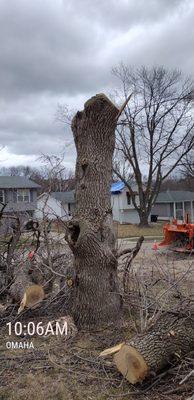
(55,204)
(61,205)
(168,205)
(122,206)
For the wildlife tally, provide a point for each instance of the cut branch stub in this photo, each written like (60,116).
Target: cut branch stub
(124,105)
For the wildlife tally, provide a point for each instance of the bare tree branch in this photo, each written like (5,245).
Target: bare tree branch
(156,133)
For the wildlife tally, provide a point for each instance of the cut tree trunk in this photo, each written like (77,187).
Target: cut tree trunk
(96,298)
(170,338)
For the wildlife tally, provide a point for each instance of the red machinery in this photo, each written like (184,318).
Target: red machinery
(179,236)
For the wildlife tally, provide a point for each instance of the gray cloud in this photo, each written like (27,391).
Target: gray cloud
(63,51)
(126,14)
(46,47)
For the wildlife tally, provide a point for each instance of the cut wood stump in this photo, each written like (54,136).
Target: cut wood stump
(33,295)
(170,338)
(96,300)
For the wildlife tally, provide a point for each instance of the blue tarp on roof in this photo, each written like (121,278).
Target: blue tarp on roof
(117,187)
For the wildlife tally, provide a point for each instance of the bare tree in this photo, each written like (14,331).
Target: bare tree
(51,175)
(19,170)
(154,133)
(56,175)
(188,166)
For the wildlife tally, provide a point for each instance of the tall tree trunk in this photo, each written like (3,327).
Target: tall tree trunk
(96,298)
(144,218)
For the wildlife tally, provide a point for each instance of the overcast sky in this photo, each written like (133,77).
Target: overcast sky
(62,51)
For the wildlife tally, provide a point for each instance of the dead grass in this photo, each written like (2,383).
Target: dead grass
(55,370)
(130,230)
(126,230)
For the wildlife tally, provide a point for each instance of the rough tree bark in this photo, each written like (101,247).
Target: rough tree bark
(22,280)
(96,298)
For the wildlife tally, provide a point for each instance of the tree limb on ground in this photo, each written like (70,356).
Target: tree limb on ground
(169,339)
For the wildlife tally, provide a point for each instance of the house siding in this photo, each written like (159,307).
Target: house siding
(122,211)
(6,194)
(166,210)
(20,207)
(12,205)
(51,208)
(129,217)
(24,210)
(123,201)
(14,194)
(163,210)
(48,207)
(115,207)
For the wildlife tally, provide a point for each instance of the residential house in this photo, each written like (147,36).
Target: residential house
(62,204)
(174,204)
(170,204)
(19,194)
(55,205)
(122,207)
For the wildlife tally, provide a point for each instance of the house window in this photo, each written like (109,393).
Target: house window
(23,195)
(128,198)
(179,206)
(2,196)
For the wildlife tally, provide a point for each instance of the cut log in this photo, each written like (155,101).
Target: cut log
(170,338)
(131,364)
(32,297)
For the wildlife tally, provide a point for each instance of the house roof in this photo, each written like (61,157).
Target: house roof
(117,187)
(171,196)
(14,182)
(69,196)
(64,197)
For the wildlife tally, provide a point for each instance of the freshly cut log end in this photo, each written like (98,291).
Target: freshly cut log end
(111,350)
(33,295)
(131,364)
